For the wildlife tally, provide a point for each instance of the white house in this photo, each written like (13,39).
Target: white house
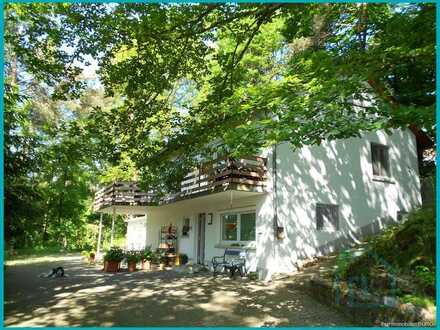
(281,207)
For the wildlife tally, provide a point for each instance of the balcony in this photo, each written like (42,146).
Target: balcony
(225,173)
(122,194)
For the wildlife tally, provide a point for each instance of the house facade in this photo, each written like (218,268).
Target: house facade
(283,206)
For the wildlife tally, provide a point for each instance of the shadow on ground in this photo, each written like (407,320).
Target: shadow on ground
(89,297)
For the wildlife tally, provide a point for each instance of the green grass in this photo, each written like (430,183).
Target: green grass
(25,253)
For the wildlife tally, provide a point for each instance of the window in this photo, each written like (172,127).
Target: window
(327,217)
(247,227)
(238,227)
(380,160)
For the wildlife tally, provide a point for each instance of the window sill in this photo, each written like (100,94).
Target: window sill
(229,246)
(383,179)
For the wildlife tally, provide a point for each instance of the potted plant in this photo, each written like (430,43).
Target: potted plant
(146,257)
(162,262)
(183,258)
(112,259)
(92,257)
(132,259)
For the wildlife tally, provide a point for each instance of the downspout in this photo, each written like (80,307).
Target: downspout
(278,230)
(274,188)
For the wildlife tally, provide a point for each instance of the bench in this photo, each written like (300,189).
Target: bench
(232,261)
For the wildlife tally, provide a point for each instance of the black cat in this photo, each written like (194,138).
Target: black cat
(57,272)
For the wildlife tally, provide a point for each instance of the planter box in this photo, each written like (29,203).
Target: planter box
(111,266)
(146,265)
(131,266)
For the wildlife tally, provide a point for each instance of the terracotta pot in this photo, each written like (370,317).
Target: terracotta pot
(146,265)
(131,266)
(111,266)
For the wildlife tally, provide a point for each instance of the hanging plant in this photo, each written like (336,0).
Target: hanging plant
(231,226)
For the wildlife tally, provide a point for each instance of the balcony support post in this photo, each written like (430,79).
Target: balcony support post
(98,246)
(113,227)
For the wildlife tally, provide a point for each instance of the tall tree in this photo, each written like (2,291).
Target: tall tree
(258,74)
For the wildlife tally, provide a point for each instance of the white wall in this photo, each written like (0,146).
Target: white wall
(337,172)
(175,213)
(136,238)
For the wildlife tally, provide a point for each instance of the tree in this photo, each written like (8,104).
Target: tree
(258,74)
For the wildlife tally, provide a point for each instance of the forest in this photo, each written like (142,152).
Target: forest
(100,92)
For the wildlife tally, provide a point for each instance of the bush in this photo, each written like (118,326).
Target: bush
(114,254)
(183,258)
(147,255)
(133,256)
(407,249)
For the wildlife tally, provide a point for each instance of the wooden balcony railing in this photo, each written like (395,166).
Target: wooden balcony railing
(122,193)
(249,171)
(246,174)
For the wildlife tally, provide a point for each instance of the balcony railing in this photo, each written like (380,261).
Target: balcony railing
(120,194)
(244,174)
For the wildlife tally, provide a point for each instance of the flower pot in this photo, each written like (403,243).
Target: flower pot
(111,266)
(161,266)
(131,266)
(177,261)
(146,265)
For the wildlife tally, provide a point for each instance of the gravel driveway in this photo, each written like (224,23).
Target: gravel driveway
(90,297)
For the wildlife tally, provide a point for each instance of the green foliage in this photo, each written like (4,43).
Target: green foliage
(345,258)
(422,301)
(182,82)
(426,276)
(133,256)
(183,258)
(125,170)
(147,255)
(114,254)
(407,249)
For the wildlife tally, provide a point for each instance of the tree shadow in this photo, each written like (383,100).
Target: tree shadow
(90,297)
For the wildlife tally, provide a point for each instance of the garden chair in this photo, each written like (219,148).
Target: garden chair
(232,261)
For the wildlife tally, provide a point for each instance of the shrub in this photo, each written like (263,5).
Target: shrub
(407,248)
(183,258)
(147,255)
(114,254)
(133,256)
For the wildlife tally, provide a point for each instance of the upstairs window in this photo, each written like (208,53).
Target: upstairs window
(380,160)
(327,217)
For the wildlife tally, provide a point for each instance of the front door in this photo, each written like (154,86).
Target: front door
(201,238)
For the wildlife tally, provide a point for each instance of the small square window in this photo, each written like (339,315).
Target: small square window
(380,160)
(327,217)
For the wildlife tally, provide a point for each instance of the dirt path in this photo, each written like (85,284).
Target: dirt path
(89,297)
